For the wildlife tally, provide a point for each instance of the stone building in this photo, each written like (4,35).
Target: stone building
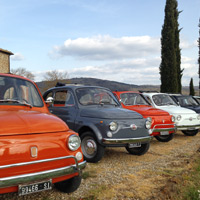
(5,60)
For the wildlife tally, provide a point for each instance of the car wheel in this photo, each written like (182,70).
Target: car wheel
(139,150)
(70,185)
(164,138)
(92,150)
(190,133)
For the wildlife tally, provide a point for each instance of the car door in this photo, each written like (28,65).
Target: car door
(64,106)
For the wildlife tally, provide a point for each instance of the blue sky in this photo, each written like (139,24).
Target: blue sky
(110,39)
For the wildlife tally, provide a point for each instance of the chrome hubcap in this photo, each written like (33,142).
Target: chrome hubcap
(90,147)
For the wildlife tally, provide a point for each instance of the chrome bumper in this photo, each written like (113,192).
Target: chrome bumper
(38,176)
(154,129)
(188,127)
(127,140)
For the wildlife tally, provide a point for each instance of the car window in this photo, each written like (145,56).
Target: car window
(93,96)
(15,91)
(163,100)
(133,99)
(63,99)
(187,101)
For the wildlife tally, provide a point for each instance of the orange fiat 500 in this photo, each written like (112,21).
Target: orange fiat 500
(163,127)
(37,148)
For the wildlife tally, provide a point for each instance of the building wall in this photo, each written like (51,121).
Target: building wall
(4,63)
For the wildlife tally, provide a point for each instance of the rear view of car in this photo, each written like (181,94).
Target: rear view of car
(37,148)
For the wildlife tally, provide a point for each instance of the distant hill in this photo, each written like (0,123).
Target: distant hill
(113,85)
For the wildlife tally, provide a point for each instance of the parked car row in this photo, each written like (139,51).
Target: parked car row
(47,140)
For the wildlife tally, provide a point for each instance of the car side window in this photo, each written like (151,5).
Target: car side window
(63,99)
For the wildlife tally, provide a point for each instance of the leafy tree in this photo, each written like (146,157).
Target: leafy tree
(170,71)
(23,72)
(192,92)
(52,77)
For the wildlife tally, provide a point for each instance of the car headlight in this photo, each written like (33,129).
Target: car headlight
(173,119)
(113,126)
(74,142)
(178,118)
(149,119)
(198,117)
(148,122)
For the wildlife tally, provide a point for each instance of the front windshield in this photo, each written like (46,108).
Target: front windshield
(94,96)
(132,99)
(163,100)
(15,91)
(187,101)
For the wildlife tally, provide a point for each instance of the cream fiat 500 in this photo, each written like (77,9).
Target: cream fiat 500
(186,120)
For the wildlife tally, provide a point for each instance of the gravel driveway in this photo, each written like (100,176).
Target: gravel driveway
(120,175)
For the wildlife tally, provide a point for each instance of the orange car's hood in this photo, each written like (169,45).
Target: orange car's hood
(147,110)
(13,122)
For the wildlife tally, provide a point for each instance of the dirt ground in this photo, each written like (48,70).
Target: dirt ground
(120,175)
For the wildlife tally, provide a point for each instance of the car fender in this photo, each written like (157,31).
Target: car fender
(90,127)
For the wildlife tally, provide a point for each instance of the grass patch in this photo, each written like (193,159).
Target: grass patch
(96,193)
(189,189)
(89,174)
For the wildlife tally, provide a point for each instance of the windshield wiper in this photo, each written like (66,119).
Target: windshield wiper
(17,101)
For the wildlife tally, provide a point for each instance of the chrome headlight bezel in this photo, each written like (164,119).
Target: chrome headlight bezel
(74,142)
(178,118)
(148,123)
(113,126)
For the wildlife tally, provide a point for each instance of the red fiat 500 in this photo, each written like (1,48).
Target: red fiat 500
(163,127)
(37,148)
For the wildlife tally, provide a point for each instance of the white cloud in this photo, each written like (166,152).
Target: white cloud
(107,47)
(133,60)
(17,57)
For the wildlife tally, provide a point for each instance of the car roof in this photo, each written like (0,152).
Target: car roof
(152,93)
(76,86)
(127,92)
(15,76)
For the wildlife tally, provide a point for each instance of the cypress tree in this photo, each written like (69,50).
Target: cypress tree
(177,49)
(192,92)
(199,56)
(170,51)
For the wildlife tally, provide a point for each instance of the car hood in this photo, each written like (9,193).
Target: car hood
(177,110)
(16,122)
(104,112)
(147,110)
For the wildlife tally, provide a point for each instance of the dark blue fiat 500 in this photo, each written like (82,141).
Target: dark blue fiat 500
(99,119)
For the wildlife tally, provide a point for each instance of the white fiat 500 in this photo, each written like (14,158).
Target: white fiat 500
(186,120)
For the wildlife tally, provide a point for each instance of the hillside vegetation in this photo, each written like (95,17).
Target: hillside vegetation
(112,85)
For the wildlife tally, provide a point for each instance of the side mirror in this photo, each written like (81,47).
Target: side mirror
(49,101)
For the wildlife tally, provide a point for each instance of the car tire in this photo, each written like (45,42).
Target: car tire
(70,185)
(164,138)
(190,133)
(139,150)
(92,150)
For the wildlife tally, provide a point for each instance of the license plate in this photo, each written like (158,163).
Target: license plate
(34,187)
(134,145)
(164,133)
